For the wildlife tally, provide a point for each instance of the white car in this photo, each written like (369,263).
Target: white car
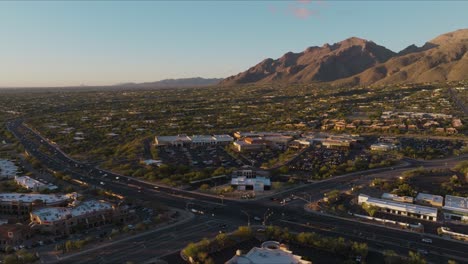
(256,218)
(427,240)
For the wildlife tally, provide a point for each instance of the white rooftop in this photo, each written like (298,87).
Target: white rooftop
(7,168)
(202,138)
(57,213)
(430,197)
(242,180)
(31,183)
(456,203)
(31,197)
(173,138)
(406,207)
(394,197)
(270,253)
(223,137)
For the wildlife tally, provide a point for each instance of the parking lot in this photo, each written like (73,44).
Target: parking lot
(198,156)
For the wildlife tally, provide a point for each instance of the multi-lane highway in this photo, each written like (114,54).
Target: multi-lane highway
(232,212)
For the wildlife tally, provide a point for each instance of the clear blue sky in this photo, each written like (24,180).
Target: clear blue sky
(86,42)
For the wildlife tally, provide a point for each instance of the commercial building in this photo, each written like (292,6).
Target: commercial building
(382,147)
(429,199)
(396,198)
(456,208)
(402,209)
(201,140)
(8,169)
(271,252)
(33,184)
(281,141)
(249,173)
(23,203)
(177,141)
(240,135)
(257,183)
(223,139)
(88,214)
(249,144)
(260,143)
(195,140)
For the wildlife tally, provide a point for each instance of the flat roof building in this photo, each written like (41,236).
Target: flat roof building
(88,214)
(456,208)
(33,184)
(8,169)
(382,147)
(429,199)
(243,183)
(23,203)
(271,252)
(178,141)
(396,198)
(403,209)
(195,140)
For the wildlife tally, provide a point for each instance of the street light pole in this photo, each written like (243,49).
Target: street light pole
(266,215)
(248,217)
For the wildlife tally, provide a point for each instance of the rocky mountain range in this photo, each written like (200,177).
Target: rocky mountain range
(356,61)
(175,83)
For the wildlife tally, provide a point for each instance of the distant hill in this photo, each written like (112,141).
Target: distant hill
(174,83)
(356,61)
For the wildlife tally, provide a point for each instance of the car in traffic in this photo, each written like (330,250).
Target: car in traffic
(427,240)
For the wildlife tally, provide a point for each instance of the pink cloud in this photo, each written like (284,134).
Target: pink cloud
(272,9)
(299,9)
(302,12)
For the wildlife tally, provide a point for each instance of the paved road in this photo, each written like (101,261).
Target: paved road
(230,211)
(159,243)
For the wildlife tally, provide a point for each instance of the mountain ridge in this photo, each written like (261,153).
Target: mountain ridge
(356,61)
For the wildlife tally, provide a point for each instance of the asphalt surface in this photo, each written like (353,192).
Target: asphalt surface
(234,213)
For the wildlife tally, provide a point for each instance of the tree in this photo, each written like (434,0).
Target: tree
(209,261)
(370,209)
(204,187)
(391,257)
(415,258)
(360,249)
(283,170)
(202,256)
(191,250)
(333,196)
(221,239)
(243,232)
(219,171)
(304,238)
(10,259)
